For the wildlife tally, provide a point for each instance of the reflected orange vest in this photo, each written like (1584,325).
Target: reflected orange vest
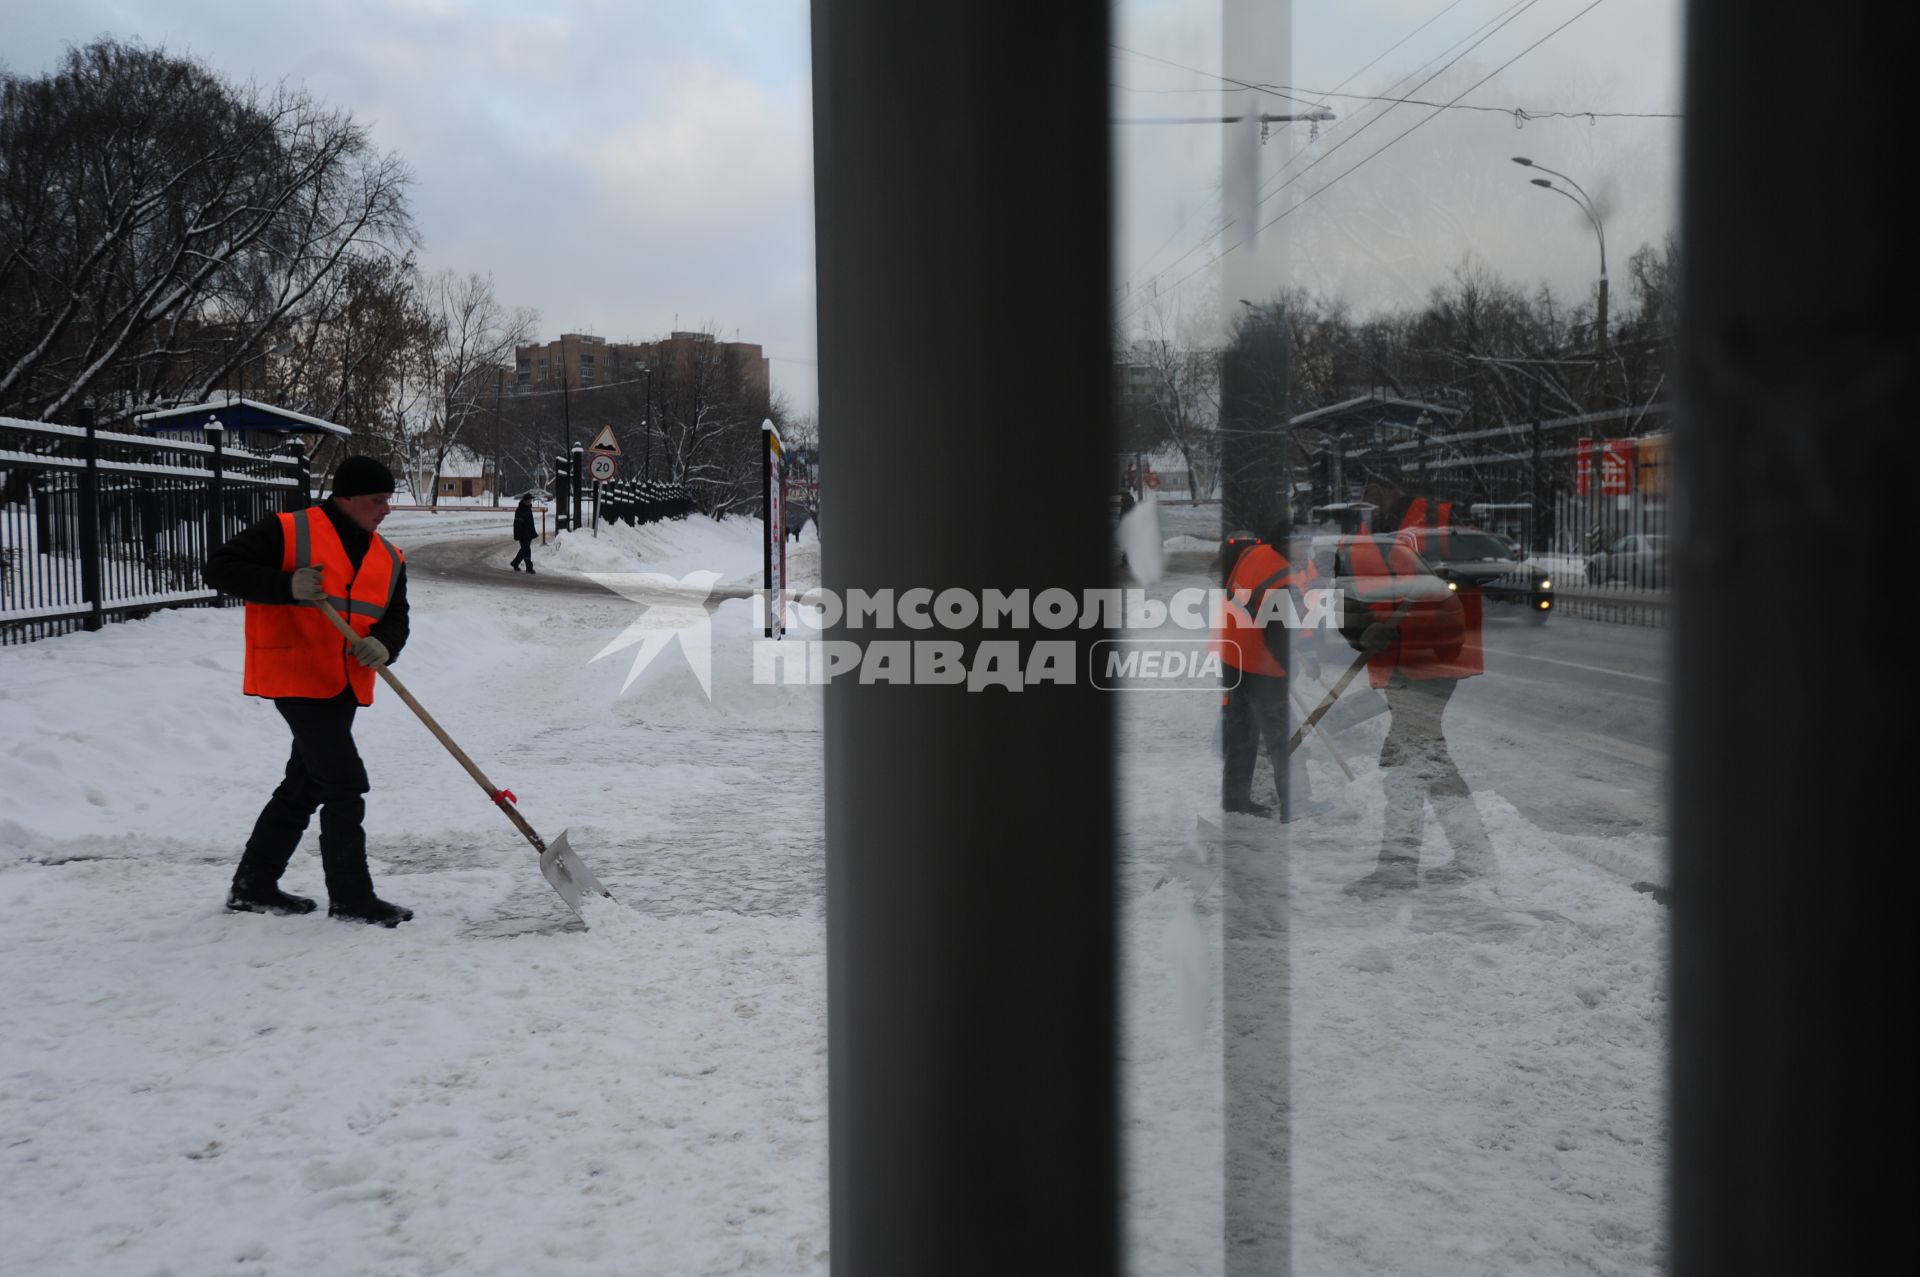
(1415,517)
(293,650)
(1417,660)
(1240,642)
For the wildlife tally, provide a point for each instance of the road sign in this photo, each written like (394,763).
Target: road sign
(605,442)
(602,466)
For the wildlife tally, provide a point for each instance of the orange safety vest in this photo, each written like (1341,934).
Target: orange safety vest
(1416,516)
(1240,642)
(294,650)
(1430,642)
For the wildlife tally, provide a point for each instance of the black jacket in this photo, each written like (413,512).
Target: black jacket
(523,529)
(248,567)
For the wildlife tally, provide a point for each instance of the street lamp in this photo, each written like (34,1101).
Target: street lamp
(1585,204)
(646,466)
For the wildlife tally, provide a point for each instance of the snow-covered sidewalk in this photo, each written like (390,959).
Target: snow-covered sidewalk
(1475,1077)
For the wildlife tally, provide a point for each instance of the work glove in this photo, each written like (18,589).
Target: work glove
(369,651)
(307,586)
(1377,638)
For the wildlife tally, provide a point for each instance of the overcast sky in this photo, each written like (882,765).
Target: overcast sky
(628,168)
(1381,218)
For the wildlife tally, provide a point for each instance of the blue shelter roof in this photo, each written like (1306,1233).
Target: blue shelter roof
(236,415)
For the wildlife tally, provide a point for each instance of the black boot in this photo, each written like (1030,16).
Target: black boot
(249,897)
(372,909)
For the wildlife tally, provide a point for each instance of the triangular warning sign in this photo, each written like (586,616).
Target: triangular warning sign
(605,442)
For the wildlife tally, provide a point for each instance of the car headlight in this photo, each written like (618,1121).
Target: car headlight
(1453,585)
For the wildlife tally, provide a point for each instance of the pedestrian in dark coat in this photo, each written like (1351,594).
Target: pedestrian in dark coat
(317,680)
(524,532)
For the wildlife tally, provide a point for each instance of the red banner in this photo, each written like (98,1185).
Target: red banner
(1583,467)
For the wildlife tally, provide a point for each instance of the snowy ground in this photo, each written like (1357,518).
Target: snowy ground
(1475,1075)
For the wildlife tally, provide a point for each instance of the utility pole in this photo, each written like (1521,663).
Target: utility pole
(499,378)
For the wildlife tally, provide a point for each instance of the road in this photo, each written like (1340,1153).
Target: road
(1569,722)
(479,560)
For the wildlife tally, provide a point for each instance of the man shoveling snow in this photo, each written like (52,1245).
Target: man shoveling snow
(316,679)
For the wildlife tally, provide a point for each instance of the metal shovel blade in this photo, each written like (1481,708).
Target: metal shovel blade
(572,879)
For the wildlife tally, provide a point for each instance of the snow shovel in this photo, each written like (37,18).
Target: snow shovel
(1360,662)
(558,865)
(1326,737)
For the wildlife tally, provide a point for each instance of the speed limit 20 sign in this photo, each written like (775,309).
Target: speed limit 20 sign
(602,467)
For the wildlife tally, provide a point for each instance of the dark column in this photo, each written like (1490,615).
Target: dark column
(89,517)
(1792,1098)
(962,191)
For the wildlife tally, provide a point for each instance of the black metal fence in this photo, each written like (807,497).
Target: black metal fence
(1585,496)
(97,526)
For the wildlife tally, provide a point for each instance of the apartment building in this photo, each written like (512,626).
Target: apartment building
(581,361)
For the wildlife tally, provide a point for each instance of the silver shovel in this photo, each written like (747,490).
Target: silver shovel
(558,865)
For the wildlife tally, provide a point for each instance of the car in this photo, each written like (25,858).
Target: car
(1489,563)
(1437,621)
(1637,559)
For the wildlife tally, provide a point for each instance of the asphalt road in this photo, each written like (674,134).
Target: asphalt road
(474,560)
(1569,722)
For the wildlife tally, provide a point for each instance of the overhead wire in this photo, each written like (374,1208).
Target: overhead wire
(1502,20)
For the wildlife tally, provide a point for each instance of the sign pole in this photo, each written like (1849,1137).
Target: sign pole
(772,498)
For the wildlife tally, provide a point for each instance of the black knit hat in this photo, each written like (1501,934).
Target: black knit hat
(361,476)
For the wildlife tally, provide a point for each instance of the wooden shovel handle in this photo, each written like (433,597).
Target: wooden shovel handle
(1320,710)
(473,769)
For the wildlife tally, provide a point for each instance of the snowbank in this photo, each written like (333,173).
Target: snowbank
(731,547)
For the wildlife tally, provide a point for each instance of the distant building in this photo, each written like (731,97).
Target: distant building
(581,361)
(464,473)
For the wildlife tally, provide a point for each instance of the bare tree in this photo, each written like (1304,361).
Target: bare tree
(1181,402)
(159,225)
(708,420)
(471,341)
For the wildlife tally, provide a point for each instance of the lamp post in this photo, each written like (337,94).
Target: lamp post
(646,421)
(1585,204)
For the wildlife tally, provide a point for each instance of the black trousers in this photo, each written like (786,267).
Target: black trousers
(1257,710)
(525,556)
(325,774)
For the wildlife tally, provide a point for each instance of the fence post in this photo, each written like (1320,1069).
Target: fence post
(303,477)
(1537,523)
(574,460)
(216,487)
(90,524)
(559,495)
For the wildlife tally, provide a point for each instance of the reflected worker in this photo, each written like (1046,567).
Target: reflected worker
(1416,767)
(1254,657)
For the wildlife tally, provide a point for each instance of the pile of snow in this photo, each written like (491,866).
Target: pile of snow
(732,547)
(668,691)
